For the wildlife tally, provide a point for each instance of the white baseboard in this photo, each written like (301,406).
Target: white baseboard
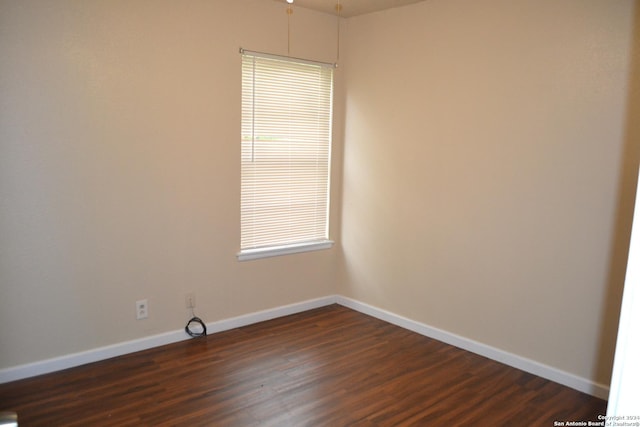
(89,356)
(565,378)
(102,353)
(272,313)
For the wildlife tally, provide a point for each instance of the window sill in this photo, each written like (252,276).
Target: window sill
(271,251)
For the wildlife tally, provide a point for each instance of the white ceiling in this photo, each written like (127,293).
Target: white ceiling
(350,7)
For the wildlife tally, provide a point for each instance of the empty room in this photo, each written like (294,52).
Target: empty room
(318,212)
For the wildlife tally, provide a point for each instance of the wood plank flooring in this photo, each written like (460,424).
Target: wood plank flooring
(326,367)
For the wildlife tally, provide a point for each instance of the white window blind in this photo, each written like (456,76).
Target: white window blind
(286,145)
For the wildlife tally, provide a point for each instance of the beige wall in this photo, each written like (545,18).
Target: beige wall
(489,169)
(119,169)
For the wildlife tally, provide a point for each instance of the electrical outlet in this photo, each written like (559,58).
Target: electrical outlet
(142,309)
(190,300)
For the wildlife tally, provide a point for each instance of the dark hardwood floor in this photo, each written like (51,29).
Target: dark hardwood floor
(326,367)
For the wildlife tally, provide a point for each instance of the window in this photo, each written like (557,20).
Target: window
(286,150)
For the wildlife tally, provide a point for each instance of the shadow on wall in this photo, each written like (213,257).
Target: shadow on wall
(627,183)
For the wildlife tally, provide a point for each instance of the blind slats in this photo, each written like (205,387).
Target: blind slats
(285,151)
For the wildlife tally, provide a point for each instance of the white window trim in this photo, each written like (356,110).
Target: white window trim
(271,251)
(316,241)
